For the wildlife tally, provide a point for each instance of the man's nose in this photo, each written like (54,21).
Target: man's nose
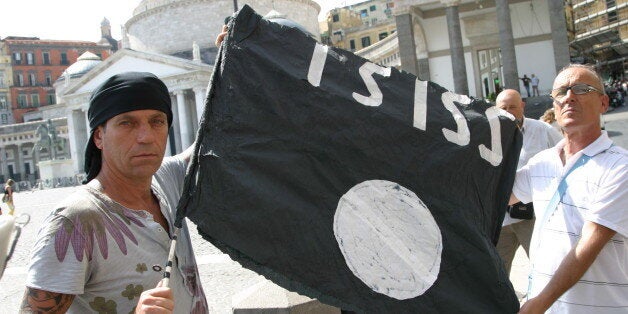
(145,133)
(569,97)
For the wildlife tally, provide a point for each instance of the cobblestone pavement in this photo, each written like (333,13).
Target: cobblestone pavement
(222,278)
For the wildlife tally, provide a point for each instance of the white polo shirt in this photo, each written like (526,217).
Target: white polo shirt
(537,136)
(596,192)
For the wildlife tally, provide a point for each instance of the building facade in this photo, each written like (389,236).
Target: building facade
(478,48)
(599,35)
(361,25)
(19,153)
(36,64)
(6,80)
(181,53)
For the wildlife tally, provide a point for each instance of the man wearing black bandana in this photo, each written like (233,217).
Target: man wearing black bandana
(96,250)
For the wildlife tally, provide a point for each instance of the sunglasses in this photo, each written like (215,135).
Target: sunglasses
(578,89)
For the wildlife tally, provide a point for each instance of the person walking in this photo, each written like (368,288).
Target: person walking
(579,188)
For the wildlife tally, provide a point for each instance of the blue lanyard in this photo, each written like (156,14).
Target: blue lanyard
(549,210)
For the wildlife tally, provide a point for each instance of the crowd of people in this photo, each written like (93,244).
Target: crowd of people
(568,208)
(617,91)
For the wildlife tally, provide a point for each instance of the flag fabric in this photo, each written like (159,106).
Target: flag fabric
(350,182)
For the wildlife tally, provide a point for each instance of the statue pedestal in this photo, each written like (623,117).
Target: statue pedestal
(54,169)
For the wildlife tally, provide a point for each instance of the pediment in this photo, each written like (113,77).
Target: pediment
(125,60)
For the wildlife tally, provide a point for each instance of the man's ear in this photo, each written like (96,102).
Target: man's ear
(98,136)
(605,103)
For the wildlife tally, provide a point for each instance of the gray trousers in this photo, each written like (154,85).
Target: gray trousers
(511,236)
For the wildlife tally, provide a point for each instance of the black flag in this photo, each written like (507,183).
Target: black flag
(350,182)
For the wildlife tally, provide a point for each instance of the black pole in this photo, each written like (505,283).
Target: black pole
(235,5)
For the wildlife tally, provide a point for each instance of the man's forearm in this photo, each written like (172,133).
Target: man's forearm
(41,301)
(576,262)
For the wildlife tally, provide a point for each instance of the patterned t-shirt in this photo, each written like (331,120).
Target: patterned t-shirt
(103,253)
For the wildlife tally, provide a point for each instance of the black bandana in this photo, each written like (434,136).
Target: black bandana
(122,93)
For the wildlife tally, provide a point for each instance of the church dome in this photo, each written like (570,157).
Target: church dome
(171,26)
(280,18)
(83,64)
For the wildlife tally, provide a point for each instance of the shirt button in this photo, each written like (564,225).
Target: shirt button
(160,230)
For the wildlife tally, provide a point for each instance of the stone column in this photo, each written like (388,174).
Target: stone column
(73,142)
(184,124)
(456,49)
(3,164)
(20,162)
(407,47)
(175,131)
(199,98)
(36,159)
(507,45)
(558,26)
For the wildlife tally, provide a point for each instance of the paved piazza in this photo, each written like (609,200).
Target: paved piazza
(222,278)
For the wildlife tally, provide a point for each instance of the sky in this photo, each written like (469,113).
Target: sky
(80,19)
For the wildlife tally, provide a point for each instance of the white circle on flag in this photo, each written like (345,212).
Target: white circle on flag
(389,238)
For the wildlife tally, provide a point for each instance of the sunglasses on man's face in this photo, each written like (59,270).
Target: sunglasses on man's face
(578,89)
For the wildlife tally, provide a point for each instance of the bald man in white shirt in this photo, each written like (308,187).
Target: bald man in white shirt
(537,136)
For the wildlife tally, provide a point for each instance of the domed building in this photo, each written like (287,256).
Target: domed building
(171,26)
(173,39)
(83,64)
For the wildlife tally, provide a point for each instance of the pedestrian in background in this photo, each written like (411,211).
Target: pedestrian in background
(550,118)
(535,85)
(526,83)
(7,197)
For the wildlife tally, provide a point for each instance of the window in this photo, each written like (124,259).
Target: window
(32,79)
(17,58)
(383,35)
(5,119)
(364,13)
(30,58)
(374,21)
(19,78)
(21,101)
(352,44)
(51,98)
(335,18)
(46,57)
(64,58)
(34,100)
(366,41)
(612,16)
(3,102)
(373,8)
(48,78)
